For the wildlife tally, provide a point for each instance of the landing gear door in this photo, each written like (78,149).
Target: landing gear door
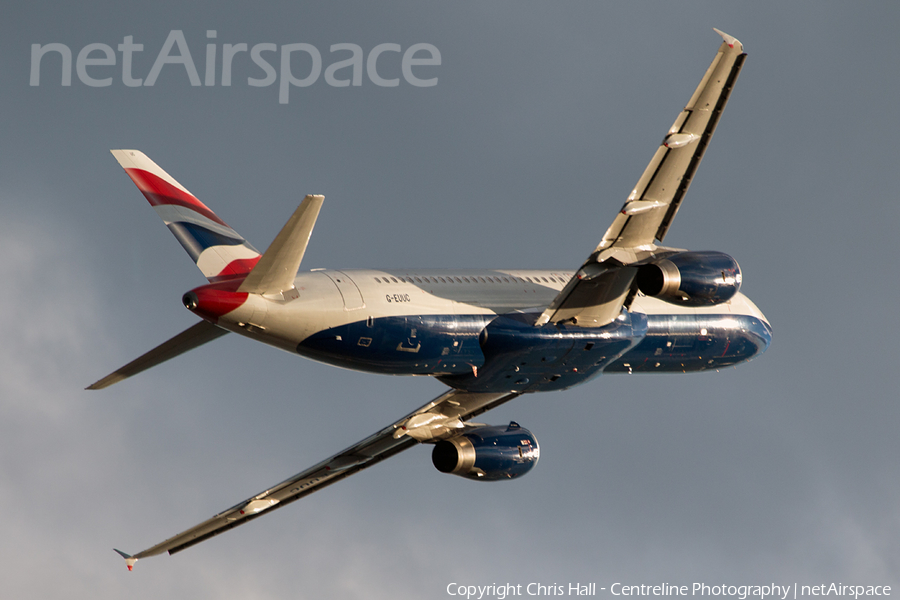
(353,299)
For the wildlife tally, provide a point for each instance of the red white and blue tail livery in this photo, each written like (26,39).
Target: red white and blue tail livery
(490,335)
(217,249)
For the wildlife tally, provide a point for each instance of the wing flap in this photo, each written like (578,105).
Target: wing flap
(592,301)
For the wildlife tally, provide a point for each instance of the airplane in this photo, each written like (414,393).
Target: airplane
(491,335)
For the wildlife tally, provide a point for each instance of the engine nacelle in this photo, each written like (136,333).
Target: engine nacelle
(691,278)
(488,453)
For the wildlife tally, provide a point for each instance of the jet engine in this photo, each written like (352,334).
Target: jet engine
(488,453)
(691,278)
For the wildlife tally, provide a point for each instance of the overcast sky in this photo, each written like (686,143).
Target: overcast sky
(542,119)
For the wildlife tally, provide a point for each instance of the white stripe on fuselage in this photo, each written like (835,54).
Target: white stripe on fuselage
(499,291)
(458,291)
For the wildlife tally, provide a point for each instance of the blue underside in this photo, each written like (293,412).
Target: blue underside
(482,353)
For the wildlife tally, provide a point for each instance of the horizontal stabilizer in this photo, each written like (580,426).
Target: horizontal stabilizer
(189,339)
(276,270)
(129,559)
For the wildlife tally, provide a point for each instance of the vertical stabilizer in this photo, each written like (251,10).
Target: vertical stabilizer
(217,249)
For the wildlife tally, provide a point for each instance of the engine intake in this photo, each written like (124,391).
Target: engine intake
(488,453)
(691,278)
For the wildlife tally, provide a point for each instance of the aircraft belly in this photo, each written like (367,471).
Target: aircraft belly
(401,345)
(522,357)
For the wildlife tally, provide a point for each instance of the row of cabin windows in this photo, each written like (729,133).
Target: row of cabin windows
(487,279)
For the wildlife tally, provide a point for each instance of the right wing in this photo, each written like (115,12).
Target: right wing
(597,293)
(440,418)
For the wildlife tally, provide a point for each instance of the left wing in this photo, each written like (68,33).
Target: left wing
(597,292)
(438,419)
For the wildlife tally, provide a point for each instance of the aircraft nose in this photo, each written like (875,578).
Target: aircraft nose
(760,328)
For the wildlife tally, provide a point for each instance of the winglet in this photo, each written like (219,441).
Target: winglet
(730,40)
(129,560)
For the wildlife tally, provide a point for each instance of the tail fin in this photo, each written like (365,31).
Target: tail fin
(217,249)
